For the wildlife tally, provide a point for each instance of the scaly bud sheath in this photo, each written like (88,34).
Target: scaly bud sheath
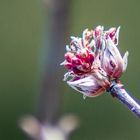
(94,63)
(117,90)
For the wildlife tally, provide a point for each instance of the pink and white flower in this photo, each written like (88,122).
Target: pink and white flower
(94,60)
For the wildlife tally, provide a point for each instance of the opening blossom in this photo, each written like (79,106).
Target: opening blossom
(95,65)
(94,60)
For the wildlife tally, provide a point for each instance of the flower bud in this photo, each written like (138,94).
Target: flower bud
(112,61)
(94,60)
(87,85)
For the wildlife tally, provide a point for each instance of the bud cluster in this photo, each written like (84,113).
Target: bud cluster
(94,60)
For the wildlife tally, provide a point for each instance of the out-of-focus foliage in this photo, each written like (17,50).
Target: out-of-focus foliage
(21,25)
(20,37)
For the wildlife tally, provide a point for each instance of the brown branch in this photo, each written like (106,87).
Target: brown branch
(51,93)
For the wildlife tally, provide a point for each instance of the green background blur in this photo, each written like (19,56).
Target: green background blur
(21,33)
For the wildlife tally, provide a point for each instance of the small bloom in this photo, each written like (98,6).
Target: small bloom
(94,60)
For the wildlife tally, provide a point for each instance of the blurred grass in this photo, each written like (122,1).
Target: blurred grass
(102,118)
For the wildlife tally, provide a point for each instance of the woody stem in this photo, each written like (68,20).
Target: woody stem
(117,90)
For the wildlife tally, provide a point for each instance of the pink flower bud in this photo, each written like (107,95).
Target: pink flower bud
(94,60)
(87,85)
(98,31)
(112,61)
(113,33)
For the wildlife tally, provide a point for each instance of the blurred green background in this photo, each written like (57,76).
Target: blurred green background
(21,32)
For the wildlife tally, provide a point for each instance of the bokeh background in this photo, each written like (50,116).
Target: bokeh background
(21,41)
